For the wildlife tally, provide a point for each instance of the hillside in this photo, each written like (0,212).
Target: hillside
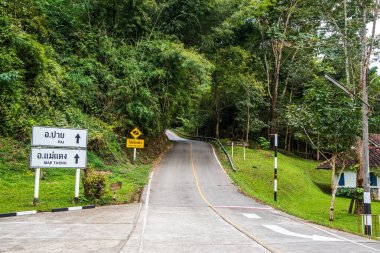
(57,185)
(302,190)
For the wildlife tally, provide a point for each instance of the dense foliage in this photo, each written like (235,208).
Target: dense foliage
(234,68)
(98,65)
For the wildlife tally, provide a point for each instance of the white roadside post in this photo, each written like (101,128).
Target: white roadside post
(275,166)
(36,185)
(77,181)
(244,151)
(134,155)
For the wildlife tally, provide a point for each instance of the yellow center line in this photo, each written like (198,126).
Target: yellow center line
(196,178)
(254,238)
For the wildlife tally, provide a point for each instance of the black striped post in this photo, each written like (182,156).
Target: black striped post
(275,166)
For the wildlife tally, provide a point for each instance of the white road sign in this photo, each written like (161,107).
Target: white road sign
(59,137)
(58,158)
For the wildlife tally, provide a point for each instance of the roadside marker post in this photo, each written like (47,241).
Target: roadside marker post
(244,152)
(275,166)
(237,144)
(54,147)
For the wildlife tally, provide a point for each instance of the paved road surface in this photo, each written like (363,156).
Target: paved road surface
(190,205)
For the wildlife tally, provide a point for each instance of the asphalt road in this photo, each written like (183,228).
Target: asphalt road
(190,205)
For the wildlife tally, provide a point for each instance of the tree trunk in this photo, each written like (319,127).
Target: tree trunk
(248,119)
(217,128)
(286,137)
(345,46)
(333,191)
(217,118)
(359,204)
(318,148)
(334,186)
(277,51)
(351,205)
(306,152)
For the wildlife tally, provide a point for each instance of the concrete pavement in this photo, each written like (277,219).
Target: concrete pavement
(104,229)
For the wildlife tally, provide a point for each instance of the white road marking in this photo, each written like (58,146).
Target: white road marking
(338,236)
(245,207)
(145,212)
(251,216)
(284,231)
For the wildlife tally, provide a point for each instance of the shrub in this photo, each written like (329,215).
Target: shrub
(345,192)
(94,183)
(264,143)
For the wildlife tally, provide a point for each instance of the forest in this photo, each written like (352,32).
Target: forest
(239,69)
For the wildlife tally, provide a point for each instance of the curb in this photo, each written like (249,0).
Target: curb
(73,208)
(4,215)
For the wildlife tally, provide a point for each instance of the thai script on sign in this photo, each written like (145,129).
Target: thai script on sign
(51,155)
(54,134)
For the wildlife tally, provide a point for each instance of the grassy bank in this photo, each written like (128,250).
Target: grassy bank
(57,185)
(303,191)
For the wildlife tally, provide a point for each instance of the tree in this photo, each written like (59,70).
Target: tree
(282,32)
(316,118)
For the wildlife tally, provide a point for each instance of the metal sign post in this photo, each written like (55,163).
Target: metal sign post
(58,148)
(36,185)
(77,180)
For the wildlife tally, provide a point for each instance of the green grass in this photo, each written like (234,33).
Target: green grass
(57,185)
(303,191)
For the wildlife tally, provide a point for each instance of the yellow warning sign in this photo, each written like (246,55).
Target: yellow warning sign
(135,143)
(136,133)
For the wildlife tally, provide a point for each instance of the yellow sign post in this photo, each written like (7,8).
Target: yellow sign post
(135,143)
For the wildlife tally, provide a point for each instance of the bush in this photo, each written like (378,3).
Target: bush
(345,192)
(263,143)
(94,183)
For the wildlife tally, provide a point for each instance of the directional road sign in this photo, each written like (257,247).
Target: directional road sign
(135,133)
(135,143)
(59,137)
(57,158)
